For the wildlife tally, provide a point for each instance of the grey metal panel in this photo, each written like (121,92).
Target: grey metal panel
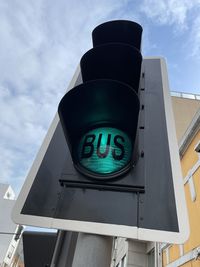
(93,250)
(98,206)
(47,198)
(64,249)
(3,189)
(44,193)
(6,224)
(157,205)
(157,209)
(38,248)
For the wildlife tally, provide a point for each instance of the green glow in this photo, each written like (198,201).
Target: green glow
(104,150)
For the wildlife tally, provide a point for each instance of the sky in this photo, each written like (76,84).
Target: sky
(41,43)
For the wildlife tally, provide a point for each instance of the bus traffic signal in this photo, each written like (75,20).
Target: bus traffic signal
(100,116)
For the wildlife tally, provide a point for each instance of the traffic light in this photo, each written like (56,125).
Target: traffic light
(119,172)
(100,116)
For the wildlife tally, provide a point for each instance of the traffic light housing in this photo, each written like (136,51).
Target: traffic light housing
(108,192)
(100,116)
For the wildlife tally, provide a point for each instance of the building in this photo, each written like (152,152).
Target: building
(188,254)
(9,231)
(18,257)
(186,108)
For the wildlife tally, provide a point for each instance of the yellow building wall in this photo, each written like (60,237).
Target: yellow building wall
(164,258)
(189,159)
(174,253)
(192,263)
(188,264)
(190,156)
(194,214)
(184,110)
(195,263)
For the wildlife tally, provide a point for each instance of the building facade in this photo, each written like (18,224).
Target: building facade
(188,254)
(9,231)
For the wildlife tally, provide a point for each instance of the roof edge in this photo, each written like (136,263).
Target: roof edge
(192,129)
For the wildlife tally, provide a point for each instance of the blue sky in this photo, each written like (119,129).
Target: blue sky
(41,44)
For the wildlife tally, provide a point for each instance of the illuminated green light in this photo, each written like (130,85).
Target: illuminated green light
(104,150)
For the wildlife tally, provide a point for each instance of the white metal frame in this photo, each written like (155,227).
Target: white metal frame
(183,234)
(110,229)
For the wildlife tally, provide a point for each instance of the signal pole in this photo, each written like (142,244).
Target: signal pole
(64,249)
(80,249)
(93,250)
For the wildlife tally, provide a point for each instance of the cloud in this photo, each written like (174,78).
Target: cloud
(194,41)
(41,44)
(170,12)
(182,16)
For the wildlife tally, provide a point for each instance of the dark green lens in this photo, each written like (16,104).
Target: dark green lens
(104,150)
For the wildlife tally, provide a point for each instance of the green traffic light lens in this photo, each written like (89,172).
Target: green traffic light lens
(104,151)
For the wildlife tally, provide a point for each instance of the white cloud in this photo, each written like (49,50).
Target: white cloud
(41,44)
(169,11)
(182,15)
(194,41)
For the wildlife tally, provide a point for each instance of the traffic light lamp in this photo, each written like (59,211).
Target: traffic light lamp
(100,116)
(119,172)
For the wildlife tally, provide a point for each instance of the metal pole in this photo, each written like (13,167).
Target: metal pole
(158,255)
(78,250)
(64,249)
(137,254)
(93,250)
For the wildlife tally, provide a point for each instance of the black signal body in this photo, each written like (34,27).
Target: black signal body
(118,31)
(100,116)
